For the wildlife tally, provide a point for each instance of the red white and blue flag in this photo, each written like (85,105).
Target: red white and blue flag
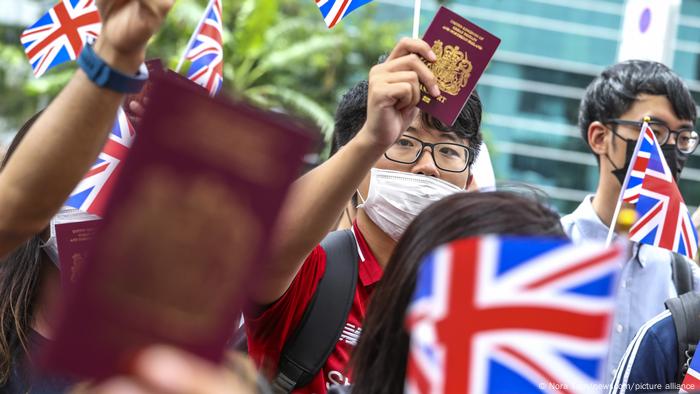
(691,382)
(632,185)
(335,10)
(59,35)
(206,52)
(511,315)
(92,192)
(664,220)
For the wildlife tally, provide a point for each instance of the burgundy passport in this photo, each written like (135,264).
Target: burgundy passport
(74,242)
(463,51)
(190,215)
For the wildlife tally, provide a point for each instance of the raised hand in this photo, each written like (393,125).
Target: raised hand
(127,25)
(394,91)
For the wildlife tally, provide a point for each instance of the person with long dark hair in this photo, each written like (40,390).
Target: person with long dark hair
(29,287)
(379,362)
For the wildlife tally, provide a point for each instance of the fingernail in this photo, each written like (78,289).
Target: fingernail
(431,56)
(435,91)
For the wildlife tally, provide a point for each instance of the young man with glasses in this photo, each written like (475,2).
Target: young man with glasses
(610,119)
(397,161)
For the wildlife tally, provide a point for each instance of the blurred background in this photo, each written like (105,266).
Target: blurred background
(279,54)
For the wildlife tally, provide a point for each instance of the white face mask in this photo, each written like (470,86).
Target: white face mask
(395,198)
(65,215)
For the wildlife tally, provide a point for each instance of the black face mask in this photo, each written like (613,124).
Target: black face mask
(674,159)
(620,173)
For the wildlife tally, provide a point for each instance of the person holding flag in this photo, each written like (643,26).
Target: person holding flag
(610,119)
(65,140)
(45,162)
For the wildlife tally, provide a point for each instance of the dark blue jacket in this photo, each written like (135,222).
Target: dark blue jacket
(650,362)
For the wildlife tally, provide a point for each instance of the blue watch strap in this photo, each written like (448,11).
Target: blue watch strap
(105,76)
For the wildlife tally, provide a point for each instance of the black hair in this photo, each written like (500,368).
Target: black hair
(379,361)
(20,275)
(351,114)
(616,89)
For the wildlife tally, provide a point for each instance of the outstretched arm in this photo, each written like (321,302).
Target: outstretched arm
(317,199)
(65,140)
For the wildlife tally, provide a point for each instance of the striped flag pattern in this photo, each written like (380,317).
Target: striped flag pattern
(59,35)
(335,10)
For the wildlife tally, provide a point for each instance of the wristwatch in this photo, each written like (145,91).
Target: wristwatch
(105,76)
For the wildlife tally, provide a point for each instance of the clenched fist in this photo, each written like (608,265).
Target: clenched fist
(394,91)
(127,25)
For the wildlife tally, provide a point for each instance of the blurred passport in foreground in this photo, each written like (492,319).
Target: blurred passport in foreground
(463,51)
(191,214)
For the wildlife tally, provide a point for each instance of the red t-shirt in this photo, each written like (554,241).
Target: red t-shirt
(268,332)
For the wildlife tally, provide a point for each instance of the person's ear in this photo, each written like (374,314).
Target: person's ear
(471,184)
(598,138)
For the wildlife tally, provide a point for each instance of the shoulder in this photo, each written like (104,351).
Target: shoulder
(268,326)
(582,213)
(695,270)
(567,223)
(651,357)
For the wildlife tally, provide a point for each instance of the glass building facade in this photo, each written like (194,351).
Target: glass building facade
(550,52)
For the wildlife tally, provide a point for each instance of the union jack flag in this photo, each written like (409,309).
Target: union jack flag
(638,165)
(664,220)
(335,10)
(511,315)
(206,51)
(691,382)
(59,35)
(92,192)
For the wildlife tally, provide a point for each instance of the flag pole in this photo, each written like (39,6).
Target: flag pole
(416,18)
(194,34)
(611,230)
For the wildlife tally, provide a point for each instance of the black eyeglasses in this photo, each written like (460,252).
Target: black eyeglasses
(447,156)
(686,138)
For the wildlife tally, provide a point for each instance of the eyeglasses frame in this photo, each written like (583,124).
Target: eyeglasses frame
(432,153)
(638,125)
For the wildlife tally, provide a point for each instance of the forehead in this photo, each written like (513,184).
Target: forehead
(429,134)
(657,107)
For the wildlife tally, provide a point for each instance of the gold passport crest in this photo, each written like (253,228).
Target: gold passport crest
(452,68)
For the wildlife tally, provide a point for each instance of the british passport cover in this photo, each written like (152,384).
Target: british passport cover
(463,51)
(74,242)
(190,215)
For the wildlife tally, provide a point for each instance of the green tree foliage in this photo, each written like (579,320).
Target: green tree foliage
(277,54)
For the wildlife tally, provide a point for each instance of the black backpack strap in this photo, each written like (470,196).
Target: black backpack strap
(685,311)
(682,274)
(307,350)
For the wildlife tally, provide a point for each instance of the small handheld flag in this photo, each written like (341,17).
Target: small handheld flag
(511,315)
(664,219)
(59,35)
(633,179)
(92,192)
(205,50)
(335,10)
